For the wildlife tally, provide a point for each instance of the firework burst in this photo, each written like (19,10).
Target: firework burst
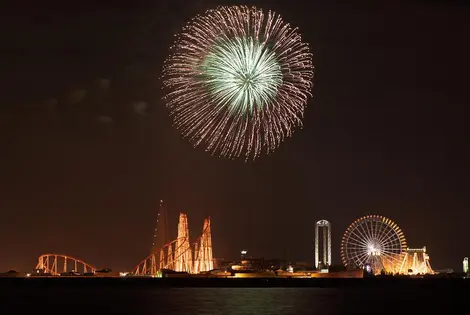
(237,81)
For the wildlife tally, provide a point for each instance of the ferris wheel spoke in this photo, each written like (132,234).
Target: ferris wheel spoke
(361,253)
(392,241)
(358,251)
(354,235)
(389,240)
(374,229)
(391,251)
(391,232)
(352,254)
(361,236)
(366,235)
(352,257)
(369,230)
(392,256)
(381,229)
(363,257)
(358,238)
(356,246)
(362,230)
(359,258)
(387,232)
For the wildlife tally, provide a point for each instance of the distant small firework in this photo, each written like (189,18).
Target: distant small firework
(238,81)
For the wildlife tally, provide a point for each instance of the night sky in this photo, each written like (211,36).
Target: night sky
(82,175)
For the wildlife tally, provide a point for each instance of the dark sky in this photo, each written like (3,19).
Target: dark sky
(384,134)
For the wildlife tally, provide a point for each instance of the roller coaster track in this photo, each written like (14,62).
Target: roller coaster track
(57,264)
(171,256)
(163,258)
(178,255)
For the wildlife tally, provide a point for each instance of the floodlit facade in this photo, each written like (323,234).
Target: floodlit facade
(322,244)
(465,265)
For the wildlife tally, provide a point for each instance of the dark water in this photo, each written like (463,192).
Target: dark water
(110,299)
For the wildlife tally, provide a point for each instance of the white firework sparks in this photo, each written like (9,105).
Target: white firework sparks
(238,81)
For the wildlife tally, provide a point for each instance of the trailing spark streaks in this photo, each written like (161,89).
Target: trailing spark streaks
(237,81)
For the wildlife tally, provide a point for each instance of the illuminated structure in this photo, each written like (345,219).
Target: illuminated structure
(416,262)
(376,241)
(180,254)
(322,228)
(56,264)
(203,260)
(160,234)
(183,259)
(465,265)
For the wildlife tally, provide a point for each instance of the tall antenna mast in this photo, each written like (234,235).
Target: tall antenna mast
(160,234)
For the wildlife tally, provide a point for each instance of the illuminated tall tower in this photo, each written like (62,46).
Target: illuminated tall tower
(323,230)
(465,265)
(183,257)
(160,234)
(160,239)
(203,251)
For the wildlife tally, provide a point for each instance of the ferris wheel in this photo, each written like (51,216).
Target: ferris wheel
(373,241)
